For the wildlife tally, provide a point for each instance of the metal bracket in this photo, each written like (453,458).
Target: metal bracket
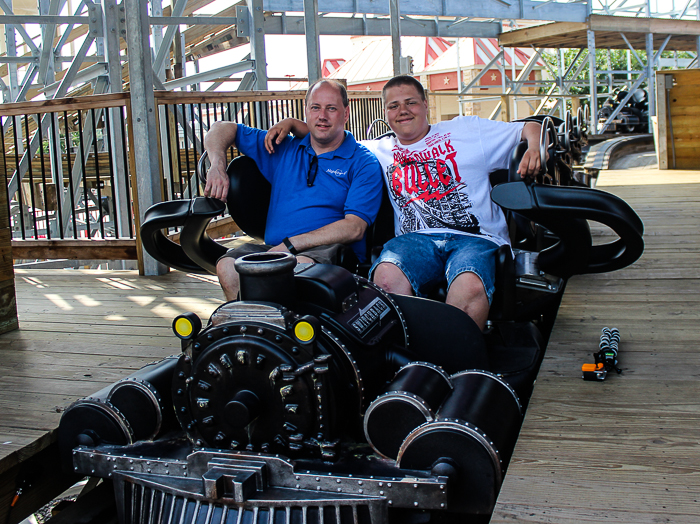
(237,485)
(243,26)
(121,19)
(95,19)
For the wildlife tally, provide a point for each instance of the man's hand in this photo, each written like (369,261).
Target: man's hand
(277,133)
(217,182)
(220,137)
(281,130)
(531,165)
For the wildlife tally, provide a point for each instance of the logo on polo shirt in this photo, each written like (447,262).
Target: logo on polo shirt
(336,172)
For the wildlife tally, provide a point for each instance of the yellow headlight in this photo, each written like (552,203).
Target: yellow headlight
(304,331)
(187,326)
(183,327)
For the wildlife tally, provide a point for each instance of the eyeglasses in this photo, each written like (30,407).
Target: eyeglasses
(313,169)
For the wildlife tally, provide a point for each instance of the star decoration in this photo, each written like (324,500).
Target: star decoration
(493,77)
(368,88)
(446,80)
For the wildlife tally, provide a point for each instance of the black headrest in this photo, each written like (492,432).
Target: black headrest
(382,229)
(248,196)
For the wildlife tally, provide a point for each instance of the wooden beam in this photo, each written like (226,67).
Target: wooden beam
(607,29)
(658,26)
(192,6)
(217,43)
(64,104)
(661,132)
(197,33)
(186,97)
(124,249)
(524,37)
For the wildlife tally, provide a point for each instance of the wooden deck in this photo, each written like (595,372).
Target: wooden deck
(628,449)
(80,330)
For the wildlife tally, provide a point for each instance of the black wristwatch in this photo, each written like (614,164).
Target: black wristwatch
(290,246)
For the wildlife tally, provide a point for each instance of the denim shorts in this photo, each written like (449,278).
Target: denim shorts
(429,259)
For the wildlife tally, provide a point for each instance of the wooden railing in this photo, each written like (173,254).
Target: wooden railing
(184,119)
(67,163)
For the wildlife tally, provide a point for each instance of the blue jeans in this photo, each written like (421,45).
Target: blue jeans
(428,259)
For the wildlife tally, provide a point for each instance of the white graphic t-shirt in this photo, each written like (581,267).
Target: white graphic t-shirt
(441,183)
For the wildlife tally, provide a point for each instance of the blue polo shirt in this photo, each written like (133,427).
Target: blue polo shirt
(348,181)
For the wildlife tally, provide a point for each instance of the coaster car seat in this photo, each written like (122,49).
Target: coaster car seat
(248,201)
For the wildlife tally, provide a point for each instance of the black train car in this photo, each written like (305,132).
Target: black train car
(320,398)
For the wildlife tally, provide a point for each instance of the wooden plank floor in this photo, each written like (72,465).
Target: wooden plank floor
(628,449)
(80,331)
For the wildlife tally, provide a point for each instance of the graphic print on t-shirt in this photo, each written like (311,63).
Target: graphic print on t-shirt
(428,188)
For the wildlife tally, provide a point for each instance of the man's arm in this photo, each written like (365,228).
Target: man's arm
(220,137)
(530,165)
(280,130)
(345,231)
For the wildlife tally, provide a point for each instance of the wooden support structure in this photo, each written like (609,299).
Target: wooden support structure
(608,30)
(8,304)
(87,249)
(678,113)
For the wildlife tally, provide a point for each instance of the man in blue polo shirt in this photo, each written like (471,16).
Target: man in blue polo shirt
(326,188)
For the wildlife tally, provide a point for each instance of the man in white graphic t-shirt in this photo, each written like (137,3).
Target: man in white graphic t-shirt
(447,228)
